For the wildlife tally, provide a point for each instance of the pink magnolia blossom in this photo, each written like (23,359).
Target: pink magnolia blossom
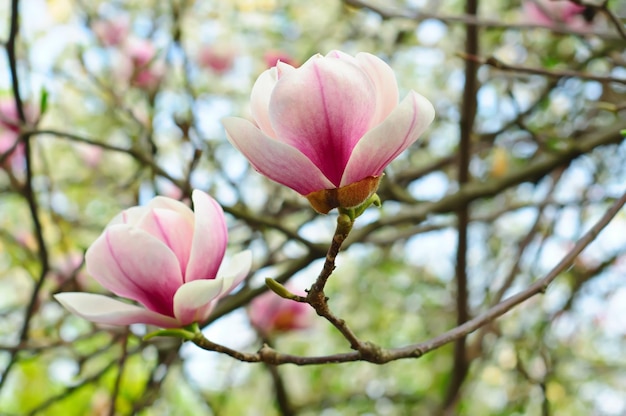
(329,128)
(551,13)
(270,313)
(111,32)
(140,64)
(218,58)
(167,258)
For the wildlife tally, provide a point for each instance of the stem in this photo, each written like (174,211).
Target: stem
(461,363)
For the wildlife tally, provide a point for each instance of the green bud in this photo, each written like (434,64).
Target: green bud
(279,289)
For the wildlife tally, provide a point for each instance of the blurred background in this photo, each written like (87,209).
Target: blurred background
(122,101)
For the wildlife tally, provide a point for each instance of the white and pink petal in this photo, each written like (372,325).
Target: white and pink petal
(133,264)
(129,216)
(104,310)
(172,229)
(172,204)
(386,141)
(235,270)
(278,161)
(260,100)
(194,301)
(385,82)
(210,237)
(322,109)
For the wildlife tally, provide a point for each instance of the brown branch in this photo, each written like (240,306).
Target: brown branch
(536,169)
(468,115)
(120,372)
(375,354)
(134,153)
(280,392)
(316,297)
(26,191)
(505,306)
(494,62)
(466,19)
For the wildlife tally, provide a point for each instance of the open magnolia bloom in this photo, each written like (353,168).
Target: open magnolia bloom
(164,256)
(329,128)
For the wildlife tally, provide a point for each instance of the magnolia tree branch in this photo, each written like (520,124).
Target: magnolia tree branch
(468,19)
(466,127)
(26,191)
(494,62)
(536,169)
(375,354)
(316,297)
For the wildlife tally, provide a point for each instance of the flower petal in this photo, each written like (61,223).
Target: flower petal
(323,108)
(105,310)
(172,204)
(278,161)
(130,216)
(235,270)
(261,94)
(133,264)
(386,85)
(133,215)
(260,100)
(193,301)
(171,228)
(210,237)
(382,144)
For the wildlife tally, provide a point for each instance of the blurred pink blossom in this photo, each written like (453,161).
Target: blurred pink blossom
(329,128)
(90,155)
(269,313)
(140,64)
(218,58)
(272,57)
(552,13)
(111,32)
(164,256)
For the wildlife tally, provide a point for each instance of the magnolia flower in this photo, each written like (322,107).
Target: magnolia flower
(551,13)
(139,64)
(218,58)
(164,256)
(111,32)
(270,313)
(329,128)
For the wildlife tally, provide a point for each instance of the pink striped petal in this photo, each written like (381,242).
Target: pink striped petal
(278,161)
(130,216)
(105,310)
(235,270)
(323,108)
(174,205)
(261,94)
(193,302)
(133,264)
(260,100)
(384,143)
(386,86)
(172,229)
(210,237)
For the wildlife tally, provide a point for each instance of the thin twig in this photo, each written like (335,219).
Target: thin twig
(375,354)
(27,192)
(494,62)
